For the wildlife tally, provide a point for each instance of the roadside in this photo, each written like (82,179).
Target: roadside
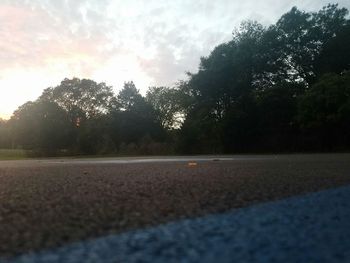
(12,154)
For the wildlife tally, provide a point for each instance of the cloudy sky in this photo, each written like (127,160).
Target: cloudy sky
(152,42)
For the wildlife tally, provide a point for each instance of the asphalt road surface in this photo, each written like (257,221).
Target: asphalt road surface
(309,228)
(51,203)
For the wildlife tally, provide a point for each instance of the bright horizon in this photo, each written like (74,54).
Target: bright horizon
(148,42)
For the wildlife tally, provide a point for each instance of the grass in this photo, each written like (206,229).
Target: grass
(12,154)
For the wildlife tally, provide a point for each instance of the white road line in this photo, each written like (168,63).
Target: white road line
(155,160)
(309,228)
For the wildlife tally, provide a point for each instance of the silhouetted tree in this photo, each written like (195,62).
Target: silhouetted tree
(81,98)
(136,118)
(5,134)
(168,104)
(279,88)
(42,126)
(245,92)
(324,112)
(335,54)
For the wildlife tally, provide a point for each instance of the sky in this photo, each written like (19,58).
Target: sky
(150,42)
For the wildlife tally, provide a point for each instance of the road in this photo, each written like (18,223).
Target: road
(51,203)
(308,228)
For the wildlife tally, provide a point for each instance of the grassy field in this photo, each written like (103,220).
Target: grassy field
(12,154)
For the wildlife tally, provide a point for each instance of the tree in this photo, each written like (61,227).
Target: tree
(276,111)
(223,83)
(335,54)
(5,134)
(97,136)
(168,104)
(42,126)
(245,92)
(81,98)
(290,48)
(129,97)
(136,118)
(276,88)
(324,112)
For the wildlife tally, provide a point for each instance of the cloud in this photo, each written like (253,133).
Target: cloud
(34,36)
(151,42)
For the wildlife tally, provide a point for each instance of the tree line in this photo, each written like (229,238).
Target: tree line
(285,87)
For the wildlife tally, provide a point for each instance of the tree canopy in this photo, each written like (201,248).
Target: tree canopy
(284,87)
(81,98)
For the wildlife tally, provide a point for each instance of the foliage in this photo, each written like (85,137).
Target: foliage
(5,135)
(81,98)
(41,125)
(136,117)
(324,111)
(245,93)
(279,88)
(168,104)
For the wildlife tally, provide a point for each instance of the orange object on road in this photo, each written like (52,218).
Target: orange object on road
(192,164)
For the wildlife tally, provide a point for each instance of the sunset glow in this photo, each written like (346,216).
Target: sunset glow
(148,42)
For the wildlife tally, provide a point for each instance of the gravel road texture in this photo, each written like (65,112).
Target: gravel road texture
(48,203)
